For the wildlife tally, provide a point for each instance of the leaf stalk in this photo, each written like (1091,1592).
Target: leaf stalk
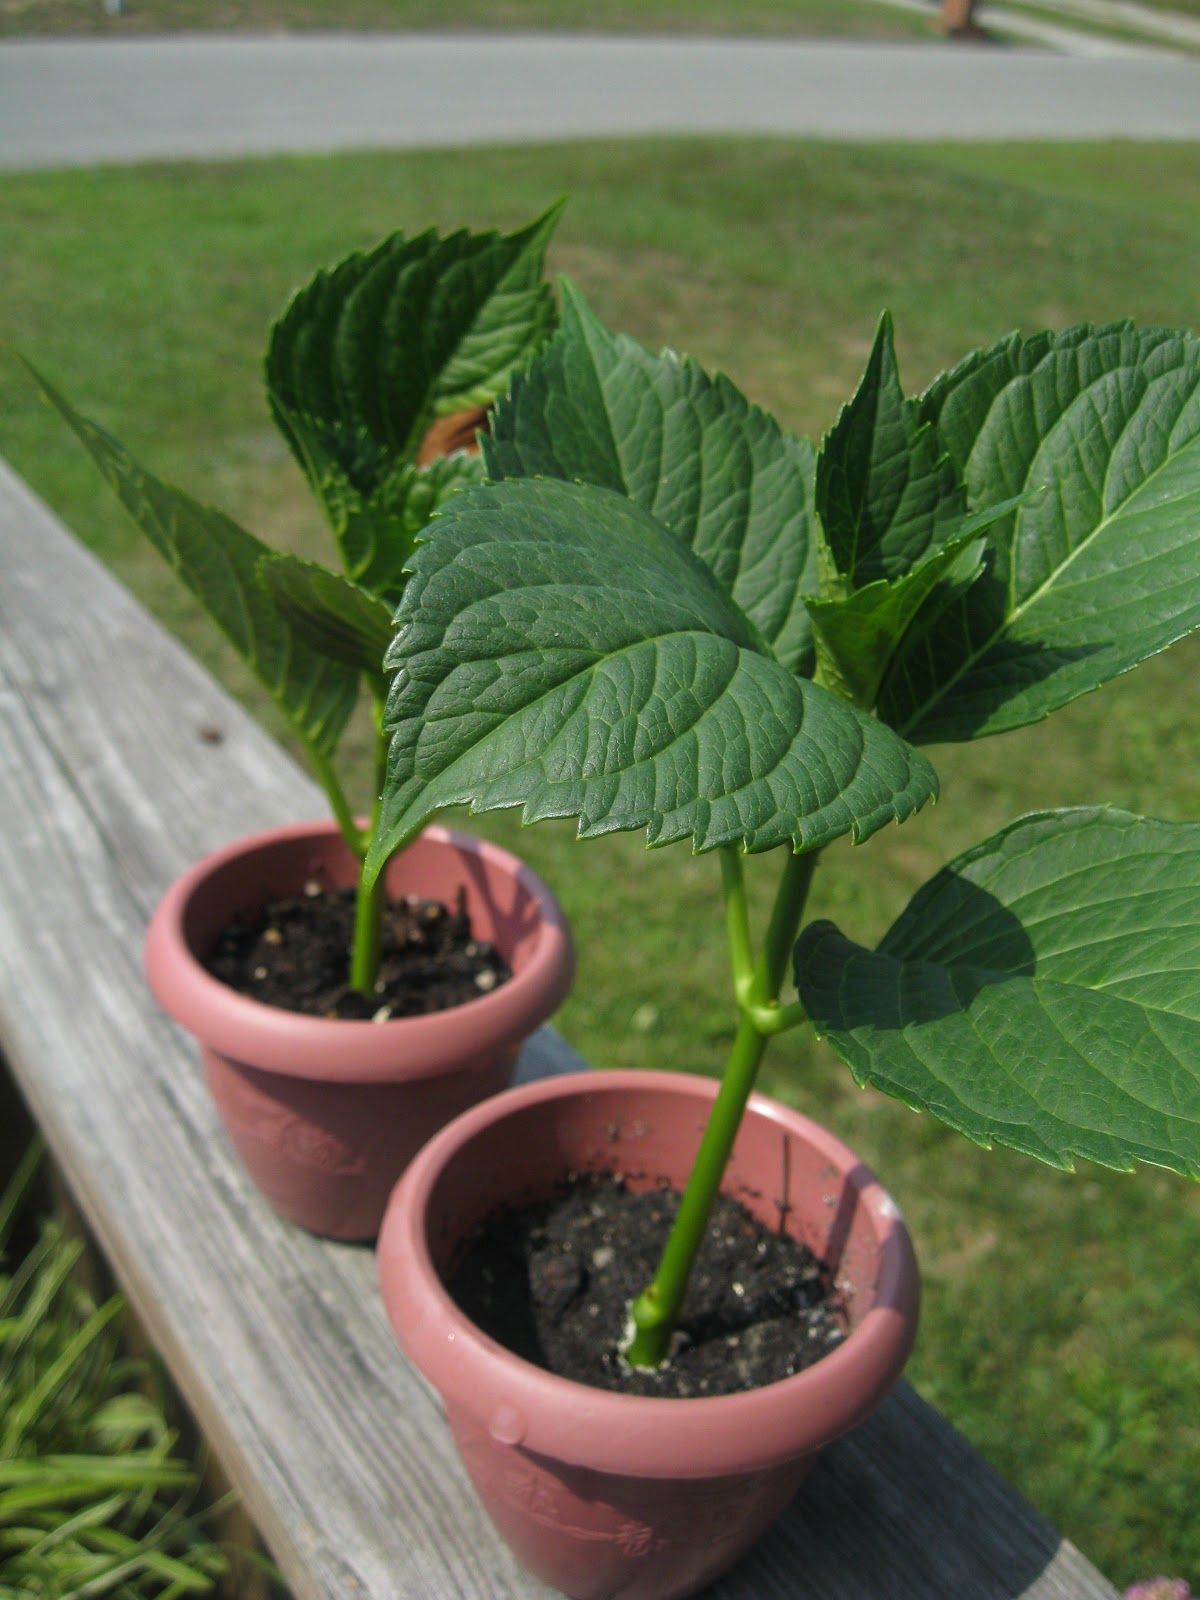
(737,923)
(343,812)
(784,925)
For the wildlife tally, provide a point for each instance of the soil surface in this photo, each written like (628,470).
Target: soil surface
(295,955)
(552,1282)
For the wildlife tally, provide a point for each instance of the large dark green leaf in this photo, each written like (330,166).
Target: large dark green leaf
(367,355)
(595,407)
(886,492)
(218,561)
(1042,992)
(1094,573)
(560,650)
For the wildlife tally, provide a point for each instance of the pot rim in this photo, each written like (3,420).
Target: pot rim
(521,1404)
(331,1049)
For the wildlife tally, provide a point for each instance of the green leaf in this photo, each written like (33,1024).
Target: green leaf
(367,355)
(857,634)
(560,650)
(334,616)
(595,407)
(1041,992)
(1100,569)
(218,561)
(376,532)
(886,491)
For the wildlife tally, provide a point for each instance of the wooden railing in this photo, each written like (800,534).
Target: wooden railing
(121,761)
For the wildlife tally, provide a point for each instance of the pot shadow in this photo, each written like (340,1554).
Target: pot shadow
(905,1509)
(892,1287)
(489,1282)
(513,916)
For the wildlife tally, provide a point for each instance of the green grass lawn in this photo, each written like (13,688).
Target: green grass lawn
(1061,1312)
(873,20)
(865,19)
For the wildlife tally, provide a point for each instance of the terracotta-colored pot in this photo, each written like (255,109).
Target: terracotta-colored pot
(605,1495)
(325,1114)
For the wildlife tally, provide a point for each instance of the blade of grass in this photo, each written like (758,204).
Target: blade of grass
(27,1407)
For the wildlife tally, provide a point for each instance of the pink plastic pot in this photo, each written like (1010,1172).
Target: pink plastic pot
(605,1495)
(326,1114)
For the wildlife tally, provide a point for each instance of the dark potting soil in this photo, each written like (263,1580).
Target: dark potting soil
(553,1282)
(295,955)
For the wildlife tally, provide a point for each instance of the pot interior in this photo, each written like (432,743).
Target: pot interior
(789,1173)
(502,906)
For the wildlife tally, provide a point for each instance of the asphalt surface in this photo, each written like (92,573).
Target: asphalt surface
(75,102)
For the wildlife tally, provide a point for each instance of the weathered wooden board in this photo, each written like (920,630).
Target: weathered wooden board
(277,1340)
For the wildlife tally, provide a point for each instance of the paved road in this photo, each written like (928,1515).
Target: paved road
(82,102)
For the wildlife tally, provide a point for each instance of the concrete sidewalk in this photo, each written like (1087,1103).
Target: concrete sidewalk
(78,102)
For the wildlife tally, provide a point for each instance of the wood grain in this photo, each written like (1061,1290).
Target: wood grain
(278,1340)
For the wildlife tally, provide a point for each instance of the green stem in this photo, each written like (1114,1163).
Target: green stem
(371,899)
(656,1310)
(790,900)
(342,814)
(773,1019)
(737,921)
(368,935)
